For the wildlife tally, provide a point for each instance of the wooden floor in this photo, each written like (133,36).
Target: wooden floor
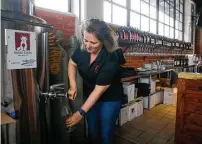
(156,126)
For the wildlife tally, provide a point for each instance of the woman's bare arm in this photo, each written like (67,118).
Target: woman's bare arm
(93,97)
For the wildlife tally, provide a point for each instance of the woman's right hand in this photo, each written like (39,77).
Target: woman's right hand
(72,92)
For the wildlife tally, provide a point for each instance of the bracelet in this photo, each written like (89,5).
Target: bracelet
(82,112)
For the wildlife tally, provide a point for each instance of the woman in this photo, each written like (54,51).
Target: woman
(98,65)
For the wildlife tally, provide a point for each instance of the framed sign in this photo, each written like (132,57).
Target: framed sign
(21,49)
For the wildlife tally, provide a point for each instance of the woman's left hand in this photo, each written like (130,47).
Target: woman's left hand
(74,119)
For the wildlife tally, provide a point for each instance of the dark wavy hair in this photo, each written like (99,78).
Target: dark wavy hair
(102,32)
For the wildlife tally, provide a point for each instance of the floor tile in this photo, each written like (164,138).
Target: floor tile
(165,134)
(158,140)
(135,132)
(170,142)
(158,126)
(170,127)
(172,138)
(168,116)
(164,121)
(120,140)
(122,131)
(153,131)
(160,113)
(147,136)
(141,140)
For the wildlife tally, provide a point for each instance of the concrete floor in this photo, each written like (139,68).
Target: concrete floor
(156,126)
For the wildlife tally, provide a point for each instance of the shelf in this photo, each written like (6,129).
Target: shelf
(126,79)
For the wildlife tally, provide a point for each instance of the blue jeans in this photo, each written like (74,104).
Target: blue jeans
(101,120)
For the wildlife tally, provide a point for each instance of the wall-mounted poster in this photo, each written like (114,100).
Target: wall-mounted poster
(21,49)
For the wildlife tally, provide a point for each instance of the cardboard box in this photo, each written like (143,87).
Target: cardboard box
(170,96)
(152,102)
(139,107)
(159,97)
(129,90)
(123,116)
(132,111)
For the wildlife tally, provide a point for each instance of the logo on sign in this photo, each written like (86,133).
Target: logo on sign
(22,43)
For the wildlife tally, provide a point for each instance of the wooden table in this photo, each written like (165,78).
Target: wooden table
(5,119)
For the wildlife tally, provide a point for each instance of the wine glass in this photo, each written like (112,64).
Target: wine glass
(65,113)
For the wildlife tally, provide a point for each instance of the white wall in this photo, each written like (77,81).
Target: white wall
(94,8)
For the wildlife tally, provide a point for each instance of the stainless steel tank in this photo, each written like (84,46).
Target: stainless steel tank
(30,126)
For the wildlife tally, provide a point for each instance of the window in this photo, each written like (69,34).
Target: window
(161,29)
(120,2)
(152,26)
(152,12)
(179,13)
(82,10)
(144,8)
(119,15)
(163,17)
(107,11)
(135,20)
(146,12)
(79,9)
(58,5)
(144,23)
(135,5)
(115,11)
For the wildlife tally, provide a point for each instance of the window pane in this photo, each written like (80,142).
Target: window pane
(161,29)
(153,2)
(135,20)
(167,18)
(76,8)
(161,6)
(176,34)
(121,2)
(145,8)
(107,11)
(171,32)
(161,16)
(144,23)
(83,10)
(167,31)
(181,17)
(180,35)
(135,5)
(177,4)
(180,26)
(59,5)
(172,2)
(153,12)
(119,15)
(177,24)
(152,26)
(166,8)
(146,1)
(172,11)
(171,22)
(181,7)
(177,15)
